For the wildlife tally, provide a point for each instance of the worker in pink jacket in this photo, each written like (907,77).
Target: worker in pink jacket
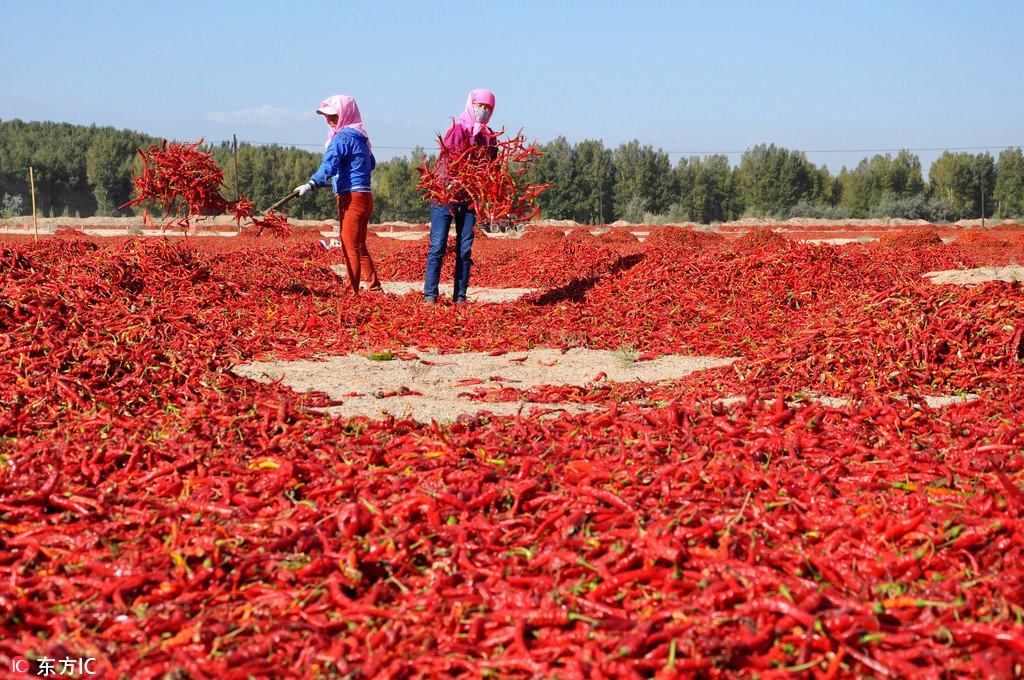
(470,129)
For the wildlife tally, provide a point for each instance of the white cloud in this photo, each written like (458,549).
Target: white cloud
(265,115)
(412,123)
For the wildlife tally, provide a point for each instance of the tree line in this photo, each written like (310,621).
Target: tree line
(81,171)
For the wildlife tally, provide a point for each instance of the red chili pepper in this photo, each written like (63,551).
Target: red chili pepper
(778,605)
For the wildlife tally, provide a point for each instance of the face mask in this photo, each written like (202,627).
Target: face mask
(481,115)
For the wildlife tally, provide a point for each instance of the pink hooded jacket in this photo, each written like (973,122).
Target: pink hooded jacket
(467,120)
(467,131)
(348,115)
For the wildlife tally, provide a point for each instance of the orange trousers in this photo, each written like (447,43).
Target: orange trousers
(354,210)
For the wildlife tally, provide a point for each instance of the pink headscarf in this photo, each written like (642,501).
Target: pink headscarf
(348,115)
(467,119)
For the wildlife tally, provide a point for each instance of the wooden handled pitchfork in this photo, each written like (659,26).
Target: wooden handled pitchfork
(284,200)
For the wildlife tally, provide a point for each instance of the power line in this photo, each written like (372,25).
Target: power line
(934,148)
(937,148)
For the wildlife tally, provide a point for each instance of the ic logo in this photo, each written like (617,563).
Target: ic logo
(19,665)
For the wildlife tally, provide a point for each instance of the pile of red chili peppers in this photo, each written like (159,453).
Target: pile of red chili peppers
(493,184)
(186,183)
(804,512)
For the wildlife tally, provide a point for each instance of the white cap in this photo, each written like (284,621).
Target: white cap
(327,111)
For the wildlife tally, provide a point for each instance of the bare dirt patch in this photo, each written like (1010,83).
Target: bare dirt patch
(437,386)
(971,277)
(447,290)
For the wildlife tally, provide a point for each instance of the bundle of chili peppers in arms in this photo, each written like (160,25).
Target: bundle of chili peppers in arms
(493,184)
(186,183)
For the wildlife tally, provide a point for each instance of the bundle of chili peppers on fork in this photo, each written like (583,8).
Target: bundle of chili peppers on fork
(186,183)
(493,183)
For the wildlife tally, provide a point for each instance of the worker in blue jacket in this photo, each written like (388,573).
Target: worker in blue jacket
(346,166)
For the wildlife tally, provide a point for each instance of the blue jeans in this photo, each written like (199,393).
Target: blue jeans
(441,218)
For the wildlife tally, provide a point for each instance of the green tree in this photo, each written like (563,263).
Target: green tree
(983,168)
(862,188)
(881,177)
(396,195)
(959,179)
(643,181)
(772,180)
(1009,187)
(905,176)
(57,157)
(595,178)
(15,159)
(557,167)
(262,175)
(109,161)
(704,187)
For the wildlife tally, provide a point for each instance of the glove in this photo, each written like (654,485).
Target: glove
(304,188)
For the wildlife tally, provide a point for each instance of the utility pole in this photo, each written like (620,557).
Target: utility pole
(32,188)
(234,156)
(982,197)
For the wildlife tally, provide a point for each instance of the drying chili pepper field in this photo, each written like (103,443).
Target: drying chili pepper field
(813,509)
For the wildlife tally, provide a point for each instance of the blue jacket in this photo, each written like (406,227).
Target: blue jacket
(347,163)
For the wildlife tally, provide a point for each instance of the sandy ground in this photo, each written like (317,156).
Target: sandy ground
(437,386)
(446,290)
(970,277)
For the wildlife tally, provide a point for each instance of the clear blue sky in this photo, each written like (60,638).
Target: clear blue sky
(838,80)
